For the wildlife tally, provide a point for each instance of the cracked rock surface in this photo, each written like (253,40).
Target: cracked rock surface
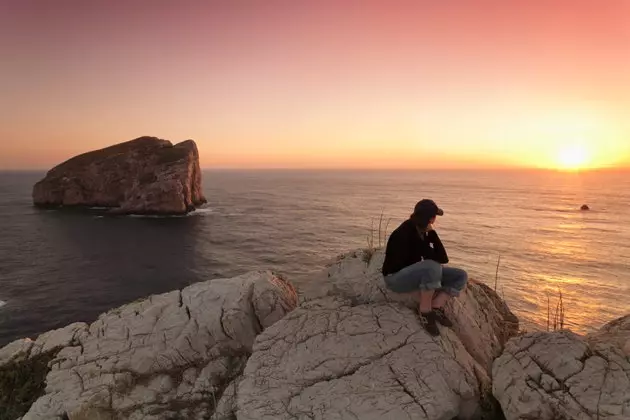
(561,375)
(614,335)
(353,350)
(168,356)
(25,348)
(483,321)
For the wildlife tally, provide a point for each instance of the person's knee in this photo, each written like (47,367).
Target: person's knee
(455,281)
(431,276)
(433,270)
(462,278)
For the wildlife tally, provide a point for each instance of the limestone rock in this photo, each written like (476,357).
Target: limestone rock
(169,355)
(233,349)
(615,334)
(354,350)
(330,359)
(25,348)
(142,176)
(226,407)
(483,321)
(561,375)
(15,351)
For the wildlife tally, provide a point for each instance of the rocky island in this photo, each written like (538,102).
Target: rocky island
(251,348)
(147,175)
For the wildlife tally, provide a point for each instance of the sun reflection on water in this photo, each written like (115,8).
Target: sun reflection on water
(563,242)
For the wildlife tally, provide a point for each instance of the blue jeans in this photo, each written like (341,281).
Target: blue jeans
(427,275)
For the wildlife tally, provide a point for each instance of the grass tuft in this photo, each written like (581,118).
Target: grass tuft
(555,319)
(496,276)
(21,383)
(380,235)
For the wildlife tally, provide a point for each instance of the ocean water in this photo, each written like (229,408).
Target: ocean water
(58,267)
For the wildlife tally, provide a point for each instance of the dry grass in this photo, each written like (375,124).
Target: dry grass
(556,320)
(496,280)
(555,317)
(496,276)
(370,237)
(379,234)
(382,231)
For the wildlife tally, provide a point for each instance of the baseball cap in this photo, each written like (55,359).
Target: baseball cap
(428,208)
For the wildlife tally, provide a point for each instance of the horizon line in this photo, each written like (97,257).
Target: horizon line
(383,169)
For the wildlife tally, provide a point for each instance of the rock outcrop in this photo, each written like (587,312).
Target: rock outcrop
(233,349)
(614,335)
(142,176)
(354,350)
(243,349)
(168,356)
(484,321)
(560,375)
(24,365)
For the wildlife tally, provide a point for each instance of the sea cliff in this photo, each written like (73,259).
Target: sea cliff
(147,175)
(250,348)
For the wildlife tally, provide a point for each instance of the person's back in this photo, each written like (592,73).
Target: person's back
(407,246)
(396,255)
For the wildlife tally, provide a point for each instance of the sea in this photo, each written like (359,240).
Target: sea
(521,232)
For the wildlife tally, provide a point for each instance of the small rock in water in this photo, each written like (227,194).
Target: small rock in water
(585,207)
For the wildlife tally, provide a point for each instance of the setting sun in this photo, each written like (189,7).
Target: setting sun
(573,157)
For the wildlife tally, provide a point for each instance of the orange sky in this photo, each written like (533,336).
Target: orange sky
(370,84)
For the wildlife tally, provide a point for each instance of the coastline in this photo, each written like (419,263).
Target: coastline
(219,349)
(294,225)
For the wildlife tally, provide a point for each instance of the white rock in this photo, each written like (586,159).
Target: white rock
(329,359)
(353,350)
(614,335)
(483,322)
(559,375)
(16,350)
(62,337)
(226,407)
(52,340)
(171,352)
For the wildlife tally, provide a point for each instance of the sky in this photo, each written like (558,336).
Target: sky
(320,84)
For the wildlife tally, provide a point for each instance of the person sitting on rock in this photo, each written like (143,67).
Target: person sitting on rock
(413,264)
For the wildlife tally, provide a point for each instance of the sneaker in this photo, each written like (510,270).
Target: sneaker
(428,321)
(440,316)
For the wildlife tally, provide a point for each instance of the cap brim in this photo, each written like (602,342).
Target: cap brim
(440,212)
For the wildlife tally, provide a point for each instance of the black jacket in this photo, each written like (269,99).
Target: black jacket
(406,246)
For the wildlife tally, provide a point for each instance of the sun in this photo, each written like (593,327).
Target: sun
(573,157)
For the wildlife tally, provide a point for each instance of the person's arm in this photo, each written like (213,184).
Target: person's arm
(439,252)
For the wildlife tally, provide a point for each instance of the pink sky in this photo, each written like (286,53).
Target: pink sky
(318,83)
